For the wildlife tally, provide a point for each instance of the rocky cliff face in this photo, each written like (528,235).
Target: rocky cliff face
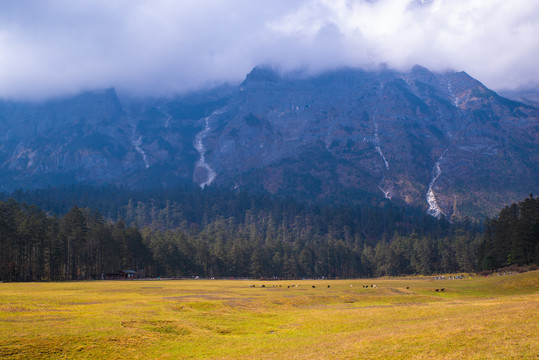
(94,138)
(442,141)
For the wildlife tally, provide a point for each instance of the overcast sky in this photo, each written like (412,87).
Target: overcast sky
(157,47)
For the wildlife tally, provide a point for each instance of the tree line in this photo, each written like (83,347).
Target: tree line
(78,245)
(512,237)
(222,234)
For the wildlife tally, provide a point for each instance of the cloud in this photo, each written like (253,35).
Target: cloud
(58,47)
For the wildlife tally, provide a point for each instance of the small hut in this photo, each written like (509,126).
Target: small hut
(122,274)
(128,274)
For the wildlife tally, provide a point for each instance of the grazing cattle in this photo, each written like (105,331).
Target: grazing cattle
(442,289)
(375,286)
(251,285)
(407,287)
(314,287)
(437,290)
(328,286)
(265,286)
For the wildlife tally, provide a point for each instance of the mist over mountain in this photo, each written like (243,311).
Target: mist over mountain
(60,48)
(442,141)
(527,95)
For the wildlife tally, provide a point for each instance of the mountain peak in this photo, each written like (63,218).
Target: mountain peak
(418,69)
(419,137)
(262,73)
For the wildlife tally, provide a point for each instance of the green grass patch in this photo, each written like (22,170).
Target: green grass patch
(400,318)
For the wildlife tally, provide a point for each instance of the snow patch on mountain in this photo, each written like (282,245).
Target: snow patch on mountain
(167,115)
(137,142)
(204,174)
(377,144)
(387,193)
(434,208)
(451,94)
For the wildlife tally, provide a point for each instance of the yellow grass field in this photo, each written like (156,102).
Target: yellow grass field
(401,318)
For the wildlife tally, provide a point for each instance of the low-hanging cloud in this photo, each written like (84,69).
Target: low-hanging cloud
(152,48)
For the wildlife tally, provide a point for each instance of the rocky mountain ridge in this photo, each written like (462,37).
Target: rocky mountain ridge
(441,141)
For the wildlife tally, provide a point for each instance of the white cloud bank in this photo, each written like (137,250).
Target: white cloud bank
(57,47)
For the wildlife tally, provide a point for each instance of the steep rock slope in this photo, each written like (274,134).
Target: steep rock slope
(441,141)
(94,138)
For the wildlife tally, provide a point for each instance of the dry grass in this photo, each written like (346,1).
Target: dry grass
(480,318)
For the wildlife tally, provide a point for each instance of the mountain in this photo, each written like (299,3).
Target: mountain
(441,141)
(95,138)
(526,95)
